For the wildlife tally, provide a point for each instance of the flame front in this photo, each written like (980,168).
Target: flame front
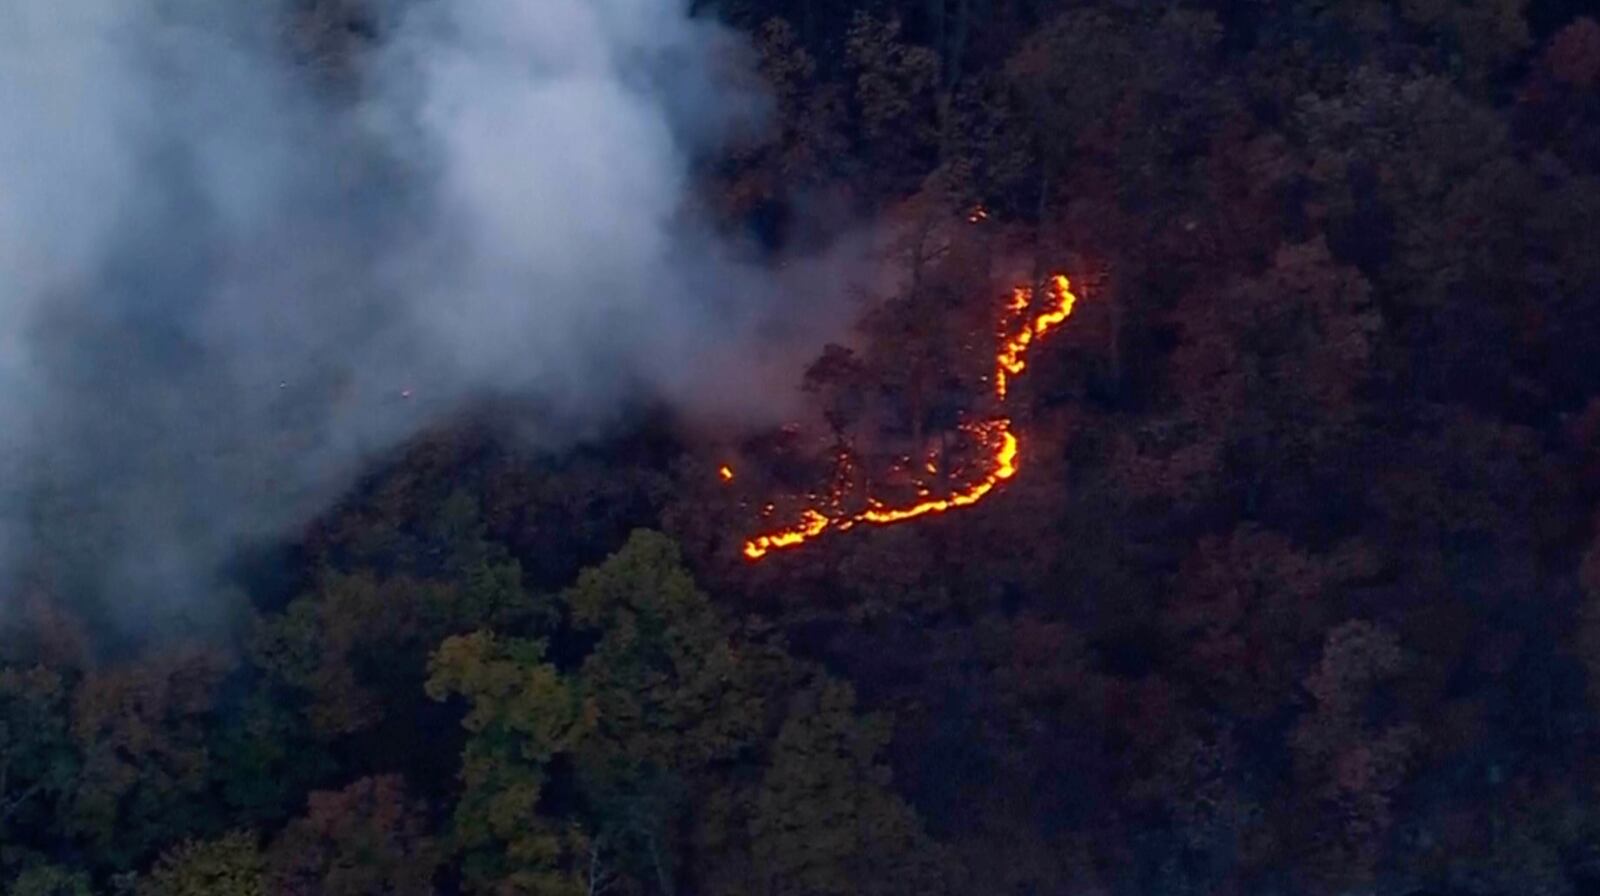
(1012,358)
(995,434)
(814,523)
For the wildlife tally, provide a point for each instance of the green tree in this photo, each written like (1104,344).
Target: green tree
(265,755)
(230,865)
(347,645)
(825,820)
(358,644)
(664,726)
(142,729)
(521,714)
(38,759)
(897,102)
(367,838)
(671,696)
(51,880)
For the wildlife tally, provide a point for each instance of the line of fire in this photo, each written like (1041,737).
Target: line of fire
(979,456)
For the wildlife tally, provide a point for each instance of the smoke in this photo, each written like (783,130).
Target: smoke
(224,288)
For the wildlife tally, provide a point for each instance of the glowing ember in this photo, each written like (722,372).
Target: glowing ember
(1012,358)
(726,472)
(994,434)
(812,525)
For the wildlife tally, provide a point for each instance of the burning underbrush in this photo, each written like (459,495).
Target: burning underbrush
(936,473)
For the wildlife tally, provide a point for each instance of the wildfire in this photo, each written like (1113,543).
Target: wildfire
(995,434)
(1012,359)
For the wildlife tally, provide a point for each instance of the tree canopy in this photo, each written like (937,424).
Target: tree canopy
(1297,589)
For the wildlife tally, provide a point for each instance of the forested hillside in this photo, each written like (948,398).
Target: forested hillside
(1296,590)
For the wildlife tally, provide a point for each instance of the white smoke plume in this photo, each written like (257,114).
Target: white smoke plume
(224,287)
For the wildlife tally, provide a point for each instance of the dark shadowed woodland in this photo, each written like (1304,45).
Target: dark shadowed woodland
(1297,591)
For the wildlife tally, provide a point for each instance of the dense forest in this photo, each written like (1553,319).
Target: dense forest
(1297,591)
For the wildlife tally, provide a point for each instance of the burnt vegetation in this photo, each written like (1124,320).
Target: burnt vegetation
(1296,591)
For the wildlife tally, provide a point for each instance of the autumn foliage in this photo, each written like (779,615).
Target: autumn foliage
(1292,584)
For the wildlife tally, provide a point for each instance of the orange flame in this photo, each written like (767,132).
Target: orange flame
(1012,359)
(995,434)
(726,472)
(812,525)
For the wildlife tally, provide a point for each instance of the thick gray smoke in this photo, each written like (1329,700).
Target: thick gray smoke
(223,288)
